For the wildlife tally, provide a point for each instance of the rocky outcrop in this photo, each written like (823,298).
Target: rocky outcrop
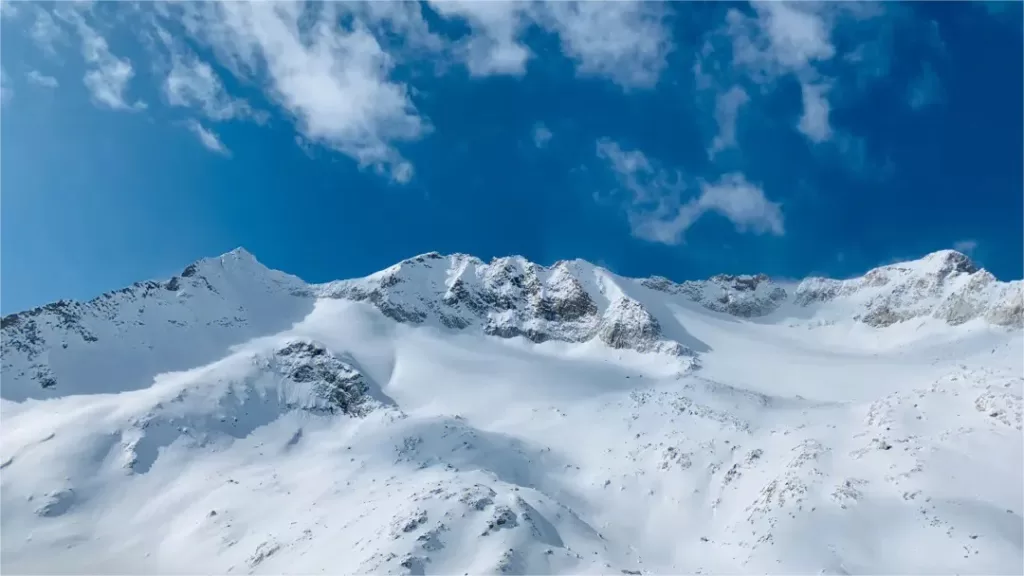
(334,385)
(508,298)
(945,285)
(744,296)
(628,325)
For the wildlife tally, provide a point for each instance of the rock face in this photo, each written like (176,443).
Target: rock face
(332,384)
(945,285)
(744,296)
(511,297)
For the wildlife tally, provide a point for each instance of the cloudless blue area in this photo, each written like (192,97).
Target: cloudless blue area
(93,199)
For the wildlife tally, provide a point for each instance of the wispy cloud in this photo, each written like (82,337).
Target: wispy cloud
(541,135)
(331,66)
(814,122)
(624,42)
(39,79)
(208,138)
(743,203)
(108,75)
(45,31)
(833,51)
(8,9)
(774,41)
(727,109)
(925,89)
(6,92)
(334,80)
(193,83)
(966,246)
(663,204)
(493,45)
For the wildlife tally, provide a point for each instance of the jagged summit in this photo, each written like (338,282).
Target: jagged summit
(944,262)
(740,295)
(945,285)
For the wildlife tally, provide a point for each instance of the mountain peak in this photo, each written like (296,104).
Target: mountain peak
(239,253)
(945,262)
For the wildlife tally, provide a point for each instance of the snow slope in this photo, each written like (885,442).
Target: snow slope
(448,415)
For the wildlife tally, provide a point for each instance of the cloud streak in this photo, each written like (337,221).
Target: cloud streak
(541,135)
(966,246)
(333,80)
(207,138)
(193,83)
(39,79)
(925,89)
(727,109)
(6,91)
(108,75)
(624,42)
(663,204)
(331,67)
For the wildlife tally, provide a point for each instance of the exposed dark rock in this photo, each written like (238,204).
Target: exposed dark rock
(629,325)
(343,387)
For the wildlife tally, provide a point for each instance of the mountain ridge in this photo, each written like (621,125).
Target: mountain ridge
(570,301)
(241,254)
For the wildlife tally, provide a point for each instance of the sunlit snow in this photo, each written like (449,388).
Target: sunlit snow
(450,416)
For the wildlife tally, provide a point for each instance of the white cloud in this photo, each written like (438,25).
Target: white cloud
(6,92)
(193,83)
(743,203)
(39,79)
(45,31)
(924,90)
(797,35)
(108,76)
(798,41)
(650,186)
(208,138)
(727,109)
(493,45)
(656,208)
(966,246)
(541,135)
(785,39)
(814,122)
(331,66)
(625,42)
(334,80)
(8,9)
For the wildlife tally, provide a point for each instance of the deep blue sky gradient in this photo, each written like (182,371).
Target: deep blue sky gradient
(94,199)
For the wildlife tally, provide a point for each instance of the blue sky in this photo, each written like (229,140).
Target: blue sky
(332,140)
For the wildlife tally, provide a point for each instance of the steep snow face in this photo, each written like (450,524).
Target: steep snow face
(448,415)
(945,285)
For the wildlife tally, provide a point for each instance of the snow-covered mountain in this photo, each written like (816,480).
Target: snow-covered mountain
(448,415)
